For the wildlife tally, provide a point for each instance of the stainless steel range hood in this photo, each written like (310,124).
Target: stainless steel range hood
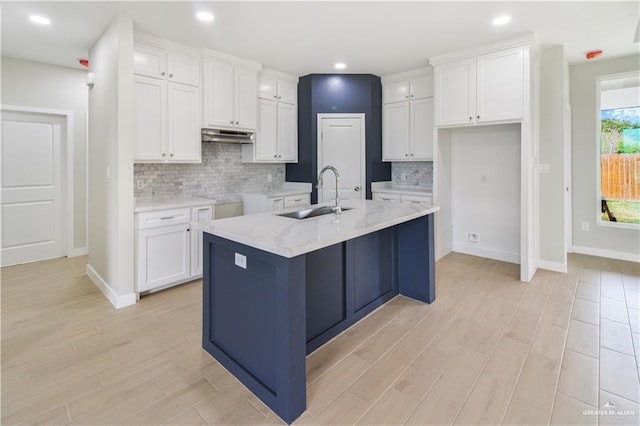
(226,136)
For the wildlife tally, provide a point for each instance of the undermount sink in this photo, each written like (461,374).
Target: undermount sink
(307,213)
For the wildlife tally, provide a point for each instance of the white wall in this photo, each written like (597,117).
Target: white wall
(34,84)
(111,201)
(553,102)
(602,240)
(485,190)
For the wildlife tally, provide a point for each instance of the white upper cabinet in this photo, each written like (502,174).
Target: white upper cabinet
(395,132)
(230,95)
(277,136)
(500,85)
(407,117)
(184,123)
(407,89)
(480,89)
(166,104)
(149,61)
(183,69)
(150,116)
(157,62)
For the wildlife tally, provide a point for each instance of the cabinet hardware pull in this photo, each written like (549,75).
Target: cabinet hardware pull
(478,117)
(275,96)
(231,122)
(406,155)
(411,155)
(170,75)
(164,155)
(470,118)
(167,217)
(275,156)
(203,209)
(171,155)
(188,229)
(162,74)
(279,97)
(237,123)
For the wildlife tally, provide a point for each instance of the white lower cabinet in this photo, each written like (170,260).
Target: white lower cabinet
(169,246)
(200,218)
(407,198)
(261,203)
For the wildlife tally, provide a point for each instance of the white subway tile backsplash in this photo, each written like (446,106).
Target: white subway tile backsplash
(221,176)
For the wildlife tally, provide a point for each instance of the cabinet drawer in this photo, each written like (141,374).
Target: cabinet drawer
(297,200)
(418,199)
(201,215)
(162,218)
(275,204)
(384,196)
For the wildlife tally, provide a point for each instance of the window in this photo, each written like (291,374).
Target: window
(619,149)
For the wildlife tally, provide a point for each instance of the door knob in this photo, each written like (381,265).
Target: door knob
(357,189)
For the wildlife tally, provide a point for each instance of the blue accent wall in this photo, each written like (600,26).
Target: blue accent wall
(338,93)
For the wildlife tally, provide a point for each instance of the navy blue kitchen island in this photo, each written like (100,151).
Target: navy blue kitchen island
(276,288)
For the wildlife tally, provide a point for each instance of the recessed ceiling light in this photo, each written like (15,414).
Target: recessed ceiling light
(205,16)
(501,20)
(38,19)
(340,66)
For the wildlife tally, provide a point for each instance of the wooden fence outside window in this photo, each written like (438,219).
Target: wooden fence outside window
(620,177)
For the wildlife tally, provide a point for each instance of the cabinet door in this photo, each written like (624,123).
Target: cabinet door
(396,92)
(422,87)
(246,96)
(395,132)
(149,118)
(268,88)
(200,218)
(276,204)
(163,256)
(500,85)
(218,94)
(455,92)
(183,69)
(185,142)
(287,132)
(266,148)
(149,61)
(422,129)
(287,92)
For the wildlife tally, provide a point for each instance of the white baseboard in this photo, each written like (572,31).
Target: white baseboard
(75,252)
(117,301)
(611,254)
(552,266)
(487,253)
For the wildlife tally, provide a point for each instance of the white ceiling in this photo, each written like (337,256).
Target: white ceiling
(309,37)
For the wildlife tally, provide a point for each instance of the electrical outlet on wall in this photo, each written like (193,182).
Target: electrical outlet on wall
(473,237)
(585,226)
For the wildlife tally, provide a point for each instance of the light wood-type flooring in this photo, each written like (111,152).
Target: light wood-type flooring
(562,349)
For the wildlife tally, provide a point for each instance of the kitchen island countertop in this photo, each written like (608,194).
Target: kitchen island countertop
(289,237)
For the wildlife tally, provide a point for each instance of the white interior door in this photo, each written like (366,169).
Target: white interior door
(341,145)
(33,227)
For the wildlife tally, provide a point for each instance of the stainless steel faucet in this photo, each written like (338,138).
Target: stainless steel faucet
(337,208)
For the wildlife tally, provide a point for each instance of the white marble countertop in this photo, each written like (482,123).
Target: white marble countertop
(160,203)
(397,189)
(289,237)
